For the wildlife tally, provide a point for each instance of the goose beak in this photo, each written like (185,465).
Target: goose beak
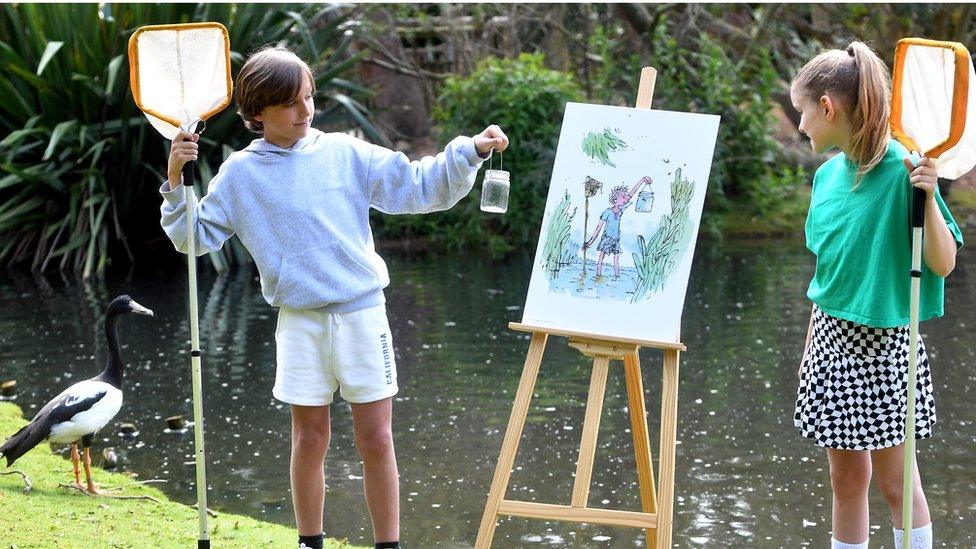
(139,309)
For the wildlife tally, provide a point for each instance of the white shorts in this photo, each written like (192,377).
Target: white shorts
(319,352)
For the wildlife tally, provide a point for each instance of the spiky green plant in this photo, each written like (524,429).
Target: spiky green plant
(599,145)
(79,164)
(558,252)
(658,257)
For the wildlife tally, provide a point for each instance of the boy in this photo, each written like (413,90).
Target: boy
(299,200)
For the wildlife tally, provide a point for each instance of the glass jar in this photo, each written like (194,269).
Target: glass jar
(494,191)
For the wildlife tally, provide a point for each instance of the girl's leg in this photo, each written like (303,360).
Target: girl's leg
(374,439)
(310,434)
(889,475)
(850,478)
(599,264)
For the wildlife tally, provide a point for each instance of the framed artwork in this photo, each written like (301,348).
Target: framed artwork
(620,224)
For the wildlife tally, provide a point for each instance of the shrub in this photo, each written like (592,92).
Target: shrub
(527,100)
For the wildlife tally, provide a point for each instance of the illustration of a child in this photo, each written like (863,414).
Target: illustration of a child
(620,200)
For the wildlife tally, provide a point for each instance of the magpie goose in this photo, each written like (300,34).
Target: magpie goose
(83,409)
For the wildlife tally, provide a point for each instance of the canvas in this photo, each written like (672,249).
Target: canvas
(620,224)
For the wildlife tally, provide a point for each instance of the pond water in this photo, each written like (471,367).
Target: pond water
(744,477)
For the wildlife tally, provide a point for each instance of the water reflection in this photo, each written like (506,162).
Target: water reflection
(744,478)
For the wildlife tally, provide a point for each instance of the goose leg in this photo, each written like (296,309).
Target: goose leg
(86,442)
(74,462)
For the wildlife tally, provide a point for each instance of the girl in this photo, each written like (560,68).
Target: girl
(852,395)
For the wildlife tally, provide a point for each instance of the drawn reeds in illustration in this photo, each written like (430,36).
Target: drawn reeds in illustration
(599,145)
(590,188)
(658,257)
(557,253)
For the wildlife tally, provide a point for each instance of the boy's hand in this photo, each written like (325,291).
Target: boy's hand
(184,149)
(491,138)
(923,176)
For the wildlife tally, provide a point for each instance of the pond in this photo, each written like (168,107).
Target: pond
(744,477)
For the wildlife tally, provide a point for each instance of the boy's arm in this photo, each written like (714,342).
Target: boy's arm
(212,226)
(397,185)
(596,231)
(641,181)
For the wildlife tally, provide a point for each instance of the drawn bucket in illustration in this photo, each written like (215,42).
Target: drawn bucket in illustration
(645,201)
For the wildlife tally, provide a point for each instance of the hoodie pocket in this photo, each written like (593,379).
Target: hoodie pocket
(320,276)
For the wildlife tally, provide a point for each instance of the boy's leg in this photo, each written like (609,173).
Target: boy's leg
(599,264)
(889,476)
(374,439)
(850,478)
(616,265)
(310,434)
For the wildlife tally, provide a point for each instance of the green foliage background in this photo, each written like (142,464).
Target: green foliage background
(79,163)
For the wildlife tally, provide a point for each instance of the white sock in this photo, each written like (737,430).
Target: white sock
(834,544)
(921,537)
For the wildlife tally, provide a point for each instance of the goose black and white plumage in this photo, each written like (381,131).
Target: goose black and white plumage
(83,409)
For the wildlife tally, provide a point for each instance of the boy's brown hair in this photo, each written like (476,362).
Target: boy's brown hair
(271,76)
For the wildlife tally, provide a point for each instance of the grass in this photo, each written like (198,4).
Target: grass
(50,516)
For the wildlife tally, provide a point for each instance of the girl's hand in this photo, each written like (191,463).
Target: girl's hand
(491,138)
(183,150)
(924,175)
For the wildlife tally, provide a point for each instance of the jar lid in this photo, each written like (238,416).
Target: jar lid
(497,175)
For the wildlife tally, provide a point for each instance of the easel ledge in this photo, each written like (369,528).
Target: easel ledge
(520,327)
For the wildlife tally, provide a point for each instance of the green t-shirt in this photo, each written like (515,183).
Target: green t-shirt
(862,239)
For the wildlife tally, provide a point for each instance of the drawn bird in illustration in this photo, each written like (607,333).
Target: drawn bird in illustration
(82,409)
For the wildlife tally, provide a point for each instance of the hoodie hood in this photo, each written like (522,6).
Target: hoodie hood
(269,150)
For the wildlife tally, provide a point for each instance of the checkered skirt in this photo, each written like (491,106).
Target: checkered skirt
(853,388)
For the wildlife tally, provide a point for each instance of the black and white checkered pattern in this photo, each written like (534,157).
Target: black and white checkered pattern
(853,389)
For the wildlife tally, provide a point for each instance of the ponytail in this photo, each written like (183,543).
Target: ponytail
(859,79)
(870,129)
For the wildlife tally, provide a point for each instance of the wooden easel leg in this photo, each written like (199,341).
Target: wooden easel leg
(642,443)
(591,427)
(513,434)
(669,423)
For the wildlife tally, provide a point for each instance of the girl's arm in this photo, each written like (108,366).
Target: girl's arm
(940,246)
(806,345)
(939,251)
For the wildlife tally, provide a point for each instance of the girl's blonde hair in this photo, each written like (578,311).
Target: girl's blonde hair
(270,77)
(860,80)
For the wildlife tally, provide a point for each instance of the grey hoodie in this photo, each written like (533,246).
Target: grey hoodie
(303,212)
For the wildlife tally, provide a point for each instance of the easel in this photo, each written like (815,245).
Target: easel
(657,504)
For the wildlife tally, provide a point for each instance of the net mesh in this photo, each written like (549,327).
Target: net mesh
(180,74)
(925,92)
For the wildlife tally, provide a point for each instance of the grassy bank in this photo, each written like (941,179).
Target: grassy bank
(50,516)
